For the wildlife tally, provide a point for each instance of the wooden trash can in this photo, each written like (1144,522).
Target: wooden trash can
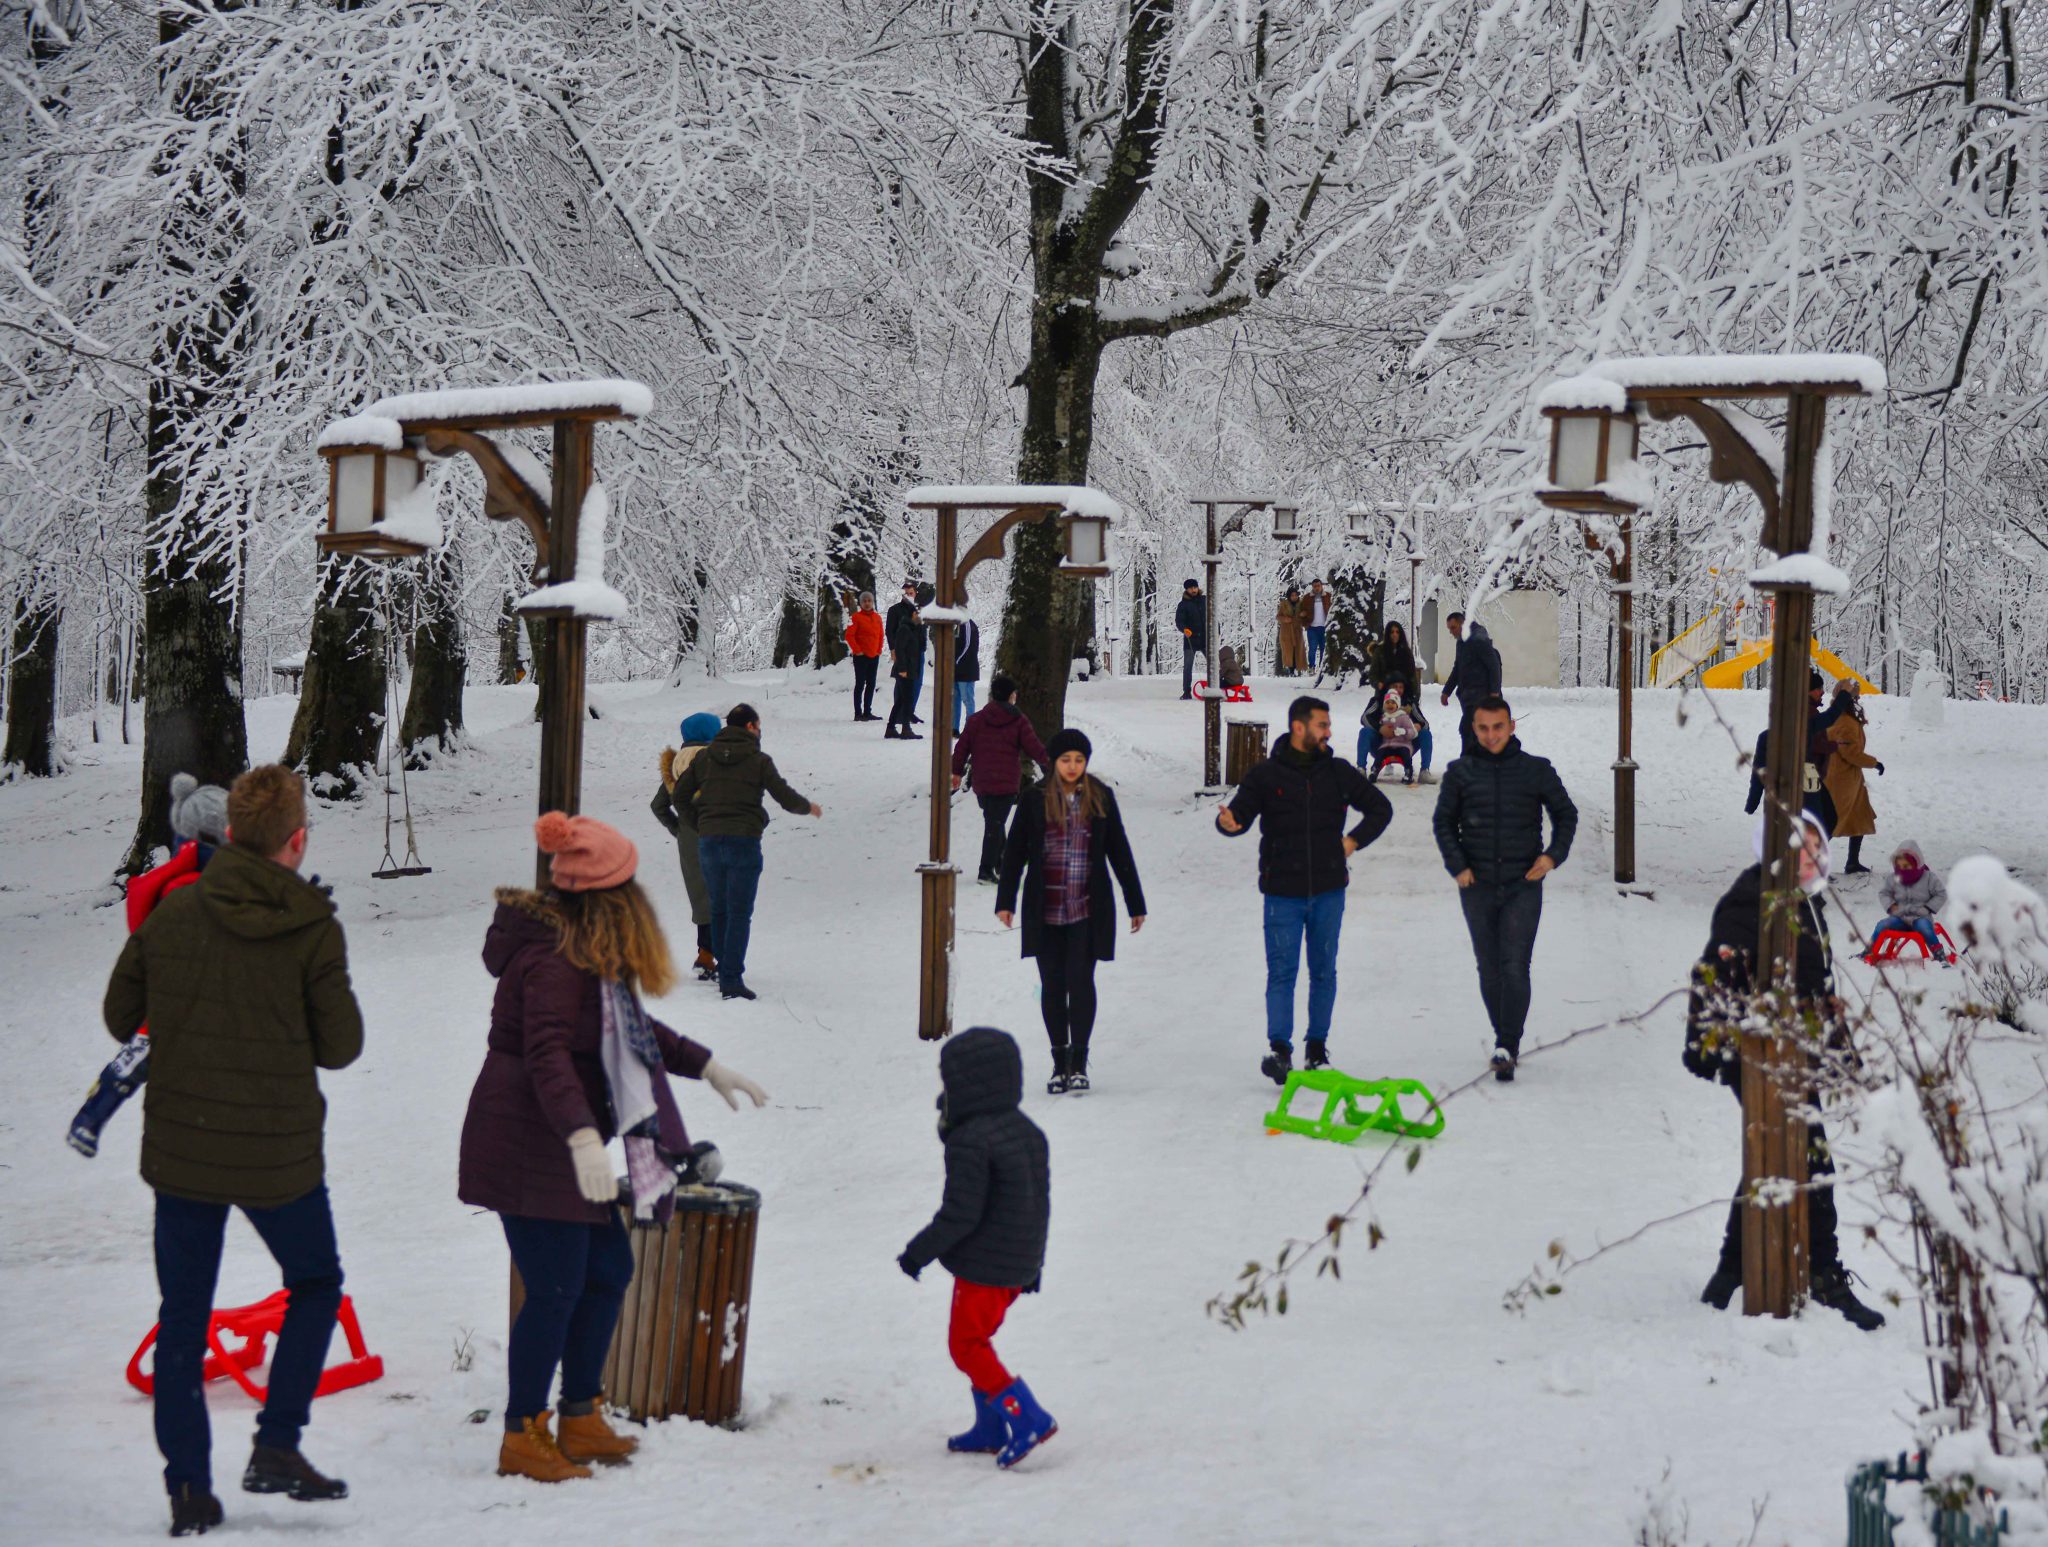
(681,1342)
(1244,747)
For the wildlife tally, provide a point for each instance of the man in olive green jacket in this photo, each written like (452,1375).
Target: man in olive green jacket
(720,796)
(243,982)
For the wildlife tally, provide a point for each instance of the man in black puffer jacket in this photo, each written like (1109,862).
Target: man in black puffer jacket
(1299,797)
(989,1232)
(1489,828)
(1475,675)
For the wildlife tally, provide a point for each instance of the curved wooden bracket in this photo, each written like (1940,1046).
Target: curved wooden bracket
(989,545)
(506,495)
(1732,459)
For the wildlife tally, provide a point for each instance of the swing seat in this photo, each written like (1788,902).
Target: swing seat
(1351,1107)
(396,871)
(254,1326)
(1240,694)
(1890,946)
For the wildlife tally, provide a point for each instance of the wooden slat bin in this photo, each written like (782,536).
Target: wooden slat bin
(1244,747)
(681,1342)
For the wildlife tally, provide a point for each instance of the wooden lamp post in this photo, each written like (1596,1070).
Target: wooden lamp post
(1084,525)
(379,507)
(1589,449)
(1286,527)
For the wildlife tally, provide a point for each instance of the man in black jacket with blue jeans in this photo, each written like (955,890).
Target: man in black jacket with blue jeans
(1489,829)
(1300,796)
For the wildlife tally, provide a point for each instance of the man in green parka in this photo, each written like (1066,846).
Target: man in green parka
(243,982)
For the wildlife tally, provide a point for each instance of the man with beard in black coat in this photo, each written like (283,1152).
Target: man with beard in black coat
(1300,796)
(1489,828)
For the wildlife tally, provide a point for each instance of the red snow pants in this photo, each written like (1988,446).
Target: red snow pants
(978,1310)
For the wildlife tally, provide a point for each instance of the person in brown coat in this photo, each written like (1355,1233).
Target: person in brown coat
(573,1060)
(1855,817)
(1293,652)
(243,981)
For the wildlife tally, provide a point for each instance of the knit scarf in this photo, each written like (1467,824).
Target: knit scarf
(642,1105)
(1910,874)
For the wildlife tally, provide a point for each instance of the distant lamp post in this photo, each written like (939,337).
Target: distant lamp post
(1405,517)
(1213,536)
(1084,530)
(1592,456)
(1286,522)
(1358,524)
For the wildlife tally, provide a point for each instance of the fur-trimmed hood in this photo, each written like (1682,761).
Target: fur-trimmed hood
(525,917)
(673,762)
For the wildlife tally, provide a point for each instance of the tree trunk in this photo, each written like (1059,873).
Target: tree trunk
(440,664)
(508,644)
(690,613)
(793,633)
(830,648)
(341,705)
(32,691)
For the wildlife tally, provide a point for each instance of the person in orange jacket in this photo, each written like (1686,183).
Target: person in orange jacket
(199,816)
(864,638)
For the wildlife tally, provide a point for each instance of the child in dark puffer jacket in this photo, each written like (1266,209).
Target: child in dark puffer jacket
(989,1232)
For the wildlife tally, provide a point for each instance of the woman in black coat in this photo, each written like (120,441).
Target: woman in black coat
(1069,911)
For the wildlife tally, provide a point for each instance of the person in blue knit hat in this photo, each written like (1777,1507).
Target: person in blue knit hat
(697,731)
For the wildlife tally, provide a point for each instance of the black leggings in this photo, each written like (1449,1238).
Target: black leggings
(1066,980)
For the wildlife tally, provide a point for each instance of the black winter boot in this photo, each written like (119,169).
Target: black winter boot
(1728,1271)
(1831,1288)
(1057,1084)
(194,1510)
(1316,1055)
(1503,1065)
(1278,1064)
(273,1469)
(1077,1069)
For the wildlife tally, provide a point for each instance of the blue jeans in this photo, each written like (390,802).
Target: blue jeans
(1369,743)
(732,875)
(300,1235)
(1290,921)
(1315,645)
(1924,928)
(1502,918)
(963,704)
(575,1277)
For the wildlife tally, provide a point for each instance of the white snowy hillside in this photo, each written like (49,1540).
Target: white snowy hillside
(1400,1404)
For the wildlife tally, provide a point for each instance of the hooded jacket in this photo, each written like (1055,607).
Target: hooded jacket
(1299,801)
(1191,616)
(719,793)
(543,1073)
(996,739)
(991,1226)
(1475,670)
(243,981)
(1917,899)
(905,635)
(1722,981)
(1489,814)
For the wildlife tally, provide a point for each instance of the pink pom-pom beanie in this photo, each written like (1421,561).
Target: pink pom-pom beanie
(589,855)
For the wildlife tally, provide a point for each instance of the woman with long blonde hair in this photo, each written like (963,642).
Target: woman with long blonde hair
(1061,850)
(574,1059)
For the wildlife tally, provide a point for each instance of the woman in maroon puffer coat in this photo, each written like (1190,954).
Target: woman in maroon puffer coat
(566,1024)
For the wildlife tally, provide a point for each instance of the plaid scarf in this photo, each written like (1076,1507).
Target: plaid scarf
(1066,866)
(633,1069)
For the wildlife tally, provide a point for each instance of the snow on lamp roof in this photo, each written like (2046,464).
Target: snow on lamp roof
(1585,393)
(1808,571)
(1737,372)
(363,430)
(1075,499)
(628,398)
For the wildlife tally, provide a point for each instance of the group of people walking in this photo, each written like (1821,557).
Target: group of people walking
(1304,619)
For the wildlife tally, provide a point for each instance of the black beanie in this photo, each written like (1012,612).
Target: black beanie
(1186,583)
(1068,740)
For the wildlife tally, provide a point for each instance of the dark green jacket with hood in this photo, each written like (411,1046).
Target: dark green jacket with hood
(991,1228)
(243,982)
(720,793)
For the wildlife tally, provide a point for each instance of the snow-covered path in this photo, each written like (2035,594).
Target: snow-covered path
(1400,1405)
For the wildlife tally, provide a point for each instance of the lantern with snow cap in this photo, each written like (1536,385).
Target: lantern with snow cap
(1086,552)
(1358,524)
(370,474)
(1592,445)
(1286,522)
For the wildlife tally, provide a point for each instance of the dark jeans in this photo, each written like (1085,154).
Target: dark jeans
(732,874)
(1467,742)
(1066,990)
(1315,645)
(1189,649)
(575,1276)
(1369,746)
(300,1235)
(865,670)
(1502,918)
(995,822)
(905,703)
(1290,922)
(1823,1247)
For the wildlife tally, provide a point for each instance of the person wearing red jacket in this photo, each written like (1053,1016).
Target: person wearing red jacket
(994,742)
(865,637)
(199,816)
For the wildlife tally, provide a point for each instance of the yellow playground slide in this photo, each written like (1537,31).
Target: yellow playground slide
(1730,673)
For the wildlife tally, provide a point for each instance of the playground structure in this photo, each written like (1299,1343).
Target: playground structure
(1697,649)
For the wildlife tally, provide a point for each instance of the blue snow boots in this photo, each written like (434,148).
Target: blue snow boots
(1029,1424)
(120,1079)
(988,1433)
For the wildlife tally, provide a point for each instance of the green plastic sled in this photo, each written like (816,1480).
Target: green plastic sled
(1351,1107)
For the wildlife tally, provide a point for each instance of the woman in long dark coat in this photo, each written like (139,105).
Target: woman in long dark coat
(1062,850)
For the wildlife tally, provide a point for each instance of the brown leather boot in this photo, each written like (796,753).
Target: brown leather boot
(587,1437)
(532,1452)
(707,965)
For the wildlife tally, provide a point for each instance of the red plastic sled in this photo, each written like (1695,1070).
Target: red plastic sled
(1890,945)
(1241,694)
(255,1325)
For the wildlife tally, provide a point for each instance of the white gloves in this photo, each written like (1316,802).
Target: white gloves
(594,1176)
(725,1081)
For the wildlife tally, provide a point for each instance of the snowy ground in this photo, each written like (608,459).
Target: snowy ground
(1402,1405)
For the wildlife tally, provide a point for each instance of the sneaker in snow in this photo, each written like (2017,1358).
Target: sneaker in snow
(1503,1065)
(1077,1084)
(1316,1056)
(1278,1064)
(736,990)
(1425,777)
(1057,1084)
